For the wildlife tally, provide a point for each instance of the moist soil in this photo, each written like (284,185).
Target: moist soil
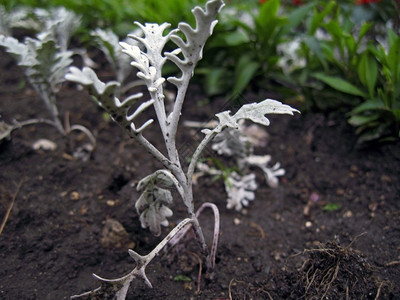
(330,230)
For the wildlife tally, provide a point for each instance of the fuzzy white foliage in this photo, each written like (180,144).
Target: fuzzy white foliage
(254,112)
(151,62)
(156,195)
(104,93)
(15,18)
(108,43)
(192,48)
(240,190)
(59,22)
(45,66)
(270,173)
(44,63)
(231,142)
(153,203)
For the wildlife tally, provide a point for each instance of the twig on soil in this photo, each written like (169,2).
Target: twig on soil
(266,292)
(3,224)
(258,228)
(249,285)
(378,293)
(200,270)
(229,288)
(392,263)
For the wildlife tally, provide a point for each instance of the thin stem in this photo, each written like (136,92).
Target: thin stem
(196,155)
(165,241)
(49,99)
(152,150)
(174,117)
(34,121)
(214,245)
(86,131)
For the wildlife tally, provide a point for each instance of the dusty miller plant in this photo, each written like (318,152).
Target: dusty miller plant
(153,204)
(45,60)
(240,183)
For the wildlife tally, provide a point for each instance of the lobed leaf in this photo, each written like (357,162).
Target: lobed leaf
(240,190)
(255,112)
(156,195)
(104,93)
(192,48)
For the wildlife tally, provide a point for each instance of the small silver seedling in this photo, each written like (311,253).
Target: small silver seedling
(45,60)
(149,60)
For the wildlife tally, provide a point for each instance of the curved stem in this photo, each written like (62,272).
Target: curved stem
(214,245)
(210,256)
(36,121)
(85,130)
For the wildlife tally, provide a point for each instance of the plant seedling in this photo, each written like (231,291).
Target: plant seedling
(149,60)
(46,60)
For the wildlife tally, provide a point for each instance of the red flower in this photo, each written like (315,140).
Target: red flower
(295,2)
(367,1)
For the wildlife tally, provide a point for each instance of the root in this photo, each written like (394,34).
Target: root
(332,269)
(251,288)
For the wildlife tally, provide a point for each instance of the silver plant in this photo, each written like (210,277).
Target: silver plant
(150,61)
(45,60)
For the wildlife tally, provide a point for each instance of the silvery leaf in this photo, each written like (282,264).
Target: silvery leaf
(108,43)
(156,195)
(240,190)
(270,173)
(192,47)
(104,93)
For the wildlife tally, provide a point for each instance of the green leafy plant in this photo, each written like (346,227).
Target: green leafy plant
(153,204)
(246,46)
(378,116)
(344,69)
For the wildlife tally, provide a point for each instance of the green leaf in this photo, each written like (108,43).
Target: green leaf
(363,31)
(318,18)
(394,59)
(315,47)
(371,104)
(339,84)
(215,81)
(368,71)
(359,120)
(229,39)
(296,17)
(245,70)
(268,13)
(331,207)
(182,278)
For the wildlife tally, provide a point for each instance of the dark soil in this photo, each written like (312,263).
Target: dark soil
(331,230)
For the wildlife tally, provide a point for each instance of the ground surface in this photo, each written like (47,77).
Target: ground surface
(285,245)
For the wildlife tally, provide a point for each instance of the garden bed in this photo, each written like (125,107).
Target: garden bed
(331,228)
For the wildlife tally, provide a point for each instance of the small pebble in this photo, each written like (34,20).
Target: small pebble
(44,144)
(347,214)
(308,224)
(74,195)
(111,202)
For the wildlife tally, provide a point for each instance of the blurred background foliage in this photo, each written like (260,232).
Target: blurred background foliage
(318,55)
